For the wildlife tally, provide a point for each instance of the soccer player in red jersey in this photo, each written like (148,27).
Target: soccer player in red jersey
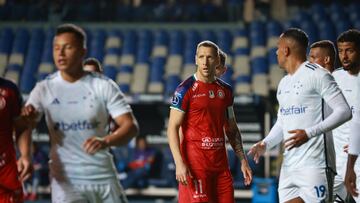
(202,106)
(12,171)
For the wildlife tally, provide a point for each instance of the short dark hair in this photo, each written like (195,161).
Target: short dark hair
(208,43)
(298,35)
(351,35)
(76,30)
(94,62)
(222,57)
(327,45)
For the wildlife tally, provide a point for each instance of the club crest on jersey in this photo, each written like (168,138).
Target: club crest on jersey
(2,102)
(220,94)
(211,94)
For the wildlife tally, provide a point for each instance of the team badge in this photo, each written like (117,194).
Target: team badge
(220,94)
(2,102)
(211,94)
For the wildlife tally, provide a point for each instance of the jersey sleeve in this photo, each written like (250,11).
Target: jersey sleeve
(35,99)
(327,87)
(115,99)
(180,100)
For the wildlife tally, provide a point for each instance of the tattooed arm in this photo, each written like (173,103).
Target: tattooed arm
(233,134)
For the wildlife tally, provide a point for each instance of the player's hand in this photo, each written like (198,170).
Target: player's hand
(25,167)
(350,182)
(29,114)
(257,150)
(346,148)
(299,138)
(94,144)
(246,170)
(182,172)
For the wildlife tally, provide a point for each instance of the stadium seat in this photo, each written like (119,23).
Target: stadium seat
(260,84)
(110,71)
(172,81)
(242,85)
(173,65)
(176,45)
(140,79)
(241,65)
(208,35)
(161,38)
(188,70)
(227,76)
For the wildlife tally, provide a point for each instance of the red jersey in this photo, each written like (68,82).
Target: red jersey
(205,106)
(10,104)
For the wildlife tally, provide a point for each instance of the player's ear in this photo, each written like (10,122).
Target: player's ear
(327,59)
(286,50)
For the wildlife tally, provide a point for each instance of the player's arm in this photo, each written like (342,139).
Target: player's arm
(24,162)
(354,151)
(175,119)
(234,136)
(128,128)
(274,138)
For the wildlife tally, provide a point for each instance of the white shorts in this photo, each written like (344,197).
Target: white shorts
(340,192)
(309,184)
(108,192)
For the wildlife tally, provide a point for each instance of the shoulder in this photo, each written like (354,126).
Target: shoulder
(100,79)
(338,72)
(8,84)
(186,85)
(314,70)
(223,83)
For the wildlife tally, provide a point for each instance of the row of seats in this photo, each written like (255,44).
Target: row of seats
(154,61)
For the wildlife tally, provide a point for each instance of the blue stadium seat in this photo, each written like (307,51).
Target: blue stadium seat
(172,81)
(273,28)
(110,71)
(311,29)
(125,88)
(257,33)
(157,69)
(6,40)
(161,37)
(326,30)
(227,76)
(259,65)
(130,38)
(272,57)
(208,35)
(27,83)
(176,45)
(225,39)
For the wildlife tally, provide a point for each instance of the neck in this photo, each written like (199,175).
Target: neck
(294,64)
(72,76)
(209,79)
(355,70)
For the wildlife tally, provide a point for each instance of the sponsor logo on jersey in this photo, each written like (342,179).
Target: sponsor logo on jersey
(176,99)
(212,143)
(195,85)
(2,102)
(211,94)
(293,110)
(199,95)
(55,101)
(220,94)
(75,126)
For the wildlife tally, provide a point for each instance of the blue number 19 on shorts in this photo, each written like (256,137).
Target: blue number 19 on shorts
(320,190)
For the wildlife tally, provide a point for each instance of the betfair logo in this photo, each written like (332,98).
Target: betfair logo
(293,110)
(75,126)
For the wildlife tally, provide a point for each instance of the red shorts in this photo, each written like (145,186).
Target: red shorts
(10,186)
(212,187)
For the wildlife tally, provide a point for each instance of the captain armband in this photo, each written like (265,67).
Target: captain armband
(230,112)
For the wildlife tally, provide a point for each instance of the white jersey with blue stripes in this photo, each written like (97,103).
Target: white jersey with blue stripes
(349,87)
(300,106)
(74,112)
